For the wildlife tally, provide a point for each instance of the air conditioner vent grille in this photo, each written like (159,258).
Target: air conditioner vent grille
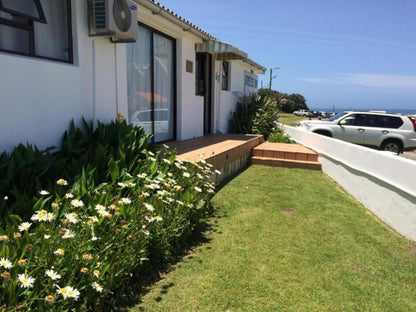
(99,12)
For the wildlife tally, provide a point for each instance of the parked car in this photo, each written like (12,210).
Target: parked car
(302,112)
(390,132)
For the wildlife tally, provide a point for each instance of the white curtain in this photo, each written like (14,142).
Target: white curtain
(51,39)
(139,78)
(13,39)
(163,88)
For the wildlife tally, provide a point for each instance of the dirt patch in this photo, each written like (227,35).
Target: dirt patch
(288,210)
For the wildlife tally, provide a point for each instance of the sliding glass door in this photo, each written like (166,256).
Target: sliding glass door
(151,84)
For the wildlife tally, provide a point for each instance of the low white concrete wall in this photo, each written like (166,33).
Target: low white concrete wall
(383,182)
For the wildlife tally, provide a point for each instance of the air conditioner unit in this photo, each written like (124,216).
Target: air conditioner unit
(116,19)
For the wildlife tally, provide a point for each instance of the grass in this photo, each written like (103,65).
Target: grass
(289,119)
(290,240)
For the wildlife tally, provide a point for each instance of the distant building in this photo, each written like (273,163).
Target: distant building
(176,80)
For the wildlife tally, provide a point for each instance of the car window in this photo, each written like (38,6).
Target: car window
(389,122)
(360,120)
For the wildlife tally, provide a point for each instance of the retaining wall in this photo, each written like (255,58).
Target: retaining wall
(382,181)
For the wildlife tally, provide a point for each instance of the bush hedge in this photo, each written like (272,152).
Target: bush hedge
(117,205)
(254,114)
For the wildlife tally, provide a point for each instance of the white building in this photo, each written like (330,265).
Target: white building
(176,80)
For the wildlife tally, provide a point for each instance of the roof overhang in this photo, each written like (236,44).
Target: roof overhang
(260,68)
(222,50)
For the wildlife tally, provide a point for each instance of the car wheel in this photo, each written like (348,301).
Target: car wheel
(394,146)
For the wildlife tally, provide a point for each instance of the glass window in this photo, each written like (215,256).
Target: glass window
(51,40)
(151,84)
(30,9)
(389,122)
(14,39)
(225,75)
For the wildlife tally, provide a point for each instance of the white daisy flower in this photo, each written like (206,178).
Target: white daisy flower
(5,263)
(158,218)
(186,174)
(142,175)
(96,273)
(149,207)
(93,219)
(62,182)
(77,203)
(50,216)
(68,234)
(39,215)
(72,217)
(97,287)
(25,280)
(68,292)
(199,190)
(125,200)
(52,274)
(59,251)
(43,192)
(24,226)
(99,207)
(69,195)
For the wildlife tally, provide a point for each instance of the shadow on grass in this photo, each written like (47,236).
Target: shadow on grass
(134,287)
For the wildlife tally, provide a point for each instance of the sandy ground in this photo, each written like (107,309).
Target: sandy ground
(410,155)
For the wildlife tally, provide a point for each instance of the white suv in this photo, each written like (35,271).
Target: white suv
(390,132)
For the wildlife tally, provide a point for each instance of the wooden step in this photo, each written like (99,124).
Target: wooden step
(285,155)
(287,163)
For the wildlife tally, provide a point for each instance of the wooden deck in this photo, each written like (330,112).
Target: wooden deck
(219,150)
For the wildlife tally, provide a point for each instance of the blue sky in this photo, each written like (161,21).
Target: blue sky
(348,53)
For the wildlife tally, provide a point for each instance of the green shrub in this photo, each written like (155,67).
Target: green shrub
(85,237)
(279,136)
(241,120)
(101,152)
(254,115)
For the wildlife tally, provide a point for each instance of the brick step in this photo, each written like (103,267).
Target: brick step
(285,151)
(287,163)
(305,156)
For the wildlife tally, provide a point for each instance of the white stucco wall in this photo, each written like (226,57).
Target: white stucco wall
(383,182)
(39,97)
(190,111)
(227,99)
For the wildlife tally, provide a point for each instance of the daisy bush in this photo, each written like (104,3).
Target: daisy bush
(85,239)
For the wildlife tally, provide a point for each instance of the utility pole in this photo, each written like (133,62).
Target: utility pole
(271,76)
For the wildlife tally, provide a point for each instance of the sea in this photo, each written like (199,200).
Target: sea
(387,110)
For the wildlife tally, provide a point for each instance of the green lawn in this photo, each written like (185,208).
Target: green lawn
(290,240)
(289,119)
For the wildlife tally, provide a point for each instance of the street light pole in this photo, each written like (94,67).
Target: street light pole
(271,76)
